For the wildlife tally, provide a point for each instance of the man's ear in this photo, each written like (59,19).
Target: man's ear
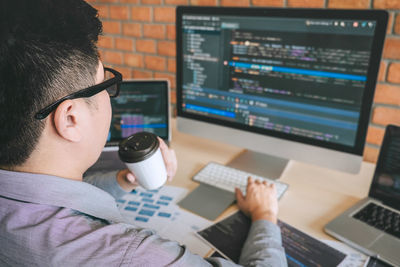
(66,121)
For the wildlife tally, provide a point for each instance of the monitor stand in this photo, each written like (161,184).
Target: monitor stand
(260,164)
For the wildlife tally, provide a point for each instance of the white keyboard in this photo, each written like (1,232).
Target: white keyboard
(228,178)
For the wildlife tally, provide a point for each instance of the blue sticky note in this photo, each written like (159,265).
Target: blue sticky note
(164,214)
(131,208)
(134,203)
(153,191)
(148,200)
(121,201)
(162,203)
(151,206)
(142,219)
(143,194)
(166,198)
(146,212)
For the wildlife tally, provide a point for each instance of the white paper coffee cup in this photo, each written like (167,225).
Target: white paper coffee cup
(142,155)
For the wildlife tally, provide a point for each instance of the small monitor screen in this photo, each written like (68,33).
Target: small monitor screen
(386,183)
(140,106)
(300,78)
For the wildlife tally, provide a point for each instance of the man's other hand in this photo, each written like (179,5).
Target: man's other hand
(127,180)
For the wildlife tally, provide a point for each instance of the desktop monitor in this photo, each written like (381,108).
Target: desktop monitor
(282,83)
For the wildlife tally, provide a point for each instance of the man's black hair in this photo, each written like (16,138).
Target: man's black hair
(47,50)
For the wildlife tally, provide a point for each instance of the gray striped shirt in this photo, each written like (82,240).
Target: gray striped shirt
(52,221)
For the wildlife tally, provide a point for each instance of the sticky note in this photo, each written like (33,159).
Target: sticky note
(164,214)
(131,208)
(151,206)
(146,212)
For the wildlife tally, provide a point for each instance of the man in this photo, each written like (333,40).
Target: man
(55,114)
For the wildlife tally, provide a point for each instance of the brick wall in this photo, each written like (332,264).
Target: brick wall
(139,41)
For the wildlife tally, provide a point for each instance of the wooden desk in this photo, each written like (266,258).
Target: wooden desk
(315,195)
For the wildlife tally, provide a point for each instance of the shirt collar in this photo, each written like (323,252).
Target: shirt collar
(61,192)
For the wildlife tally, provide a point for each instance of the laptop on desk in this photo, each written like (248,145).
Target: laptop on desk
(373,224)
(142,105)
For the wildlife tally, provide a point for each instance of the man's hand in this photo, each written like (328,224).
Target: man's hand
(260,202)
(127,179)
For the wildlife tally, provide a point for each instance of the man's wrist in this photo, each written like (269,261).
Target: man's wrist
(268,216)
(123,182)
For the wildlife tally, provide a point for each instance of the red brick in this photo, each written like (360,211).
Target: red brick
(139,74)
(375,135)
(124,44)
(382,71)
(171,32)
(156,31)
(397,24)
(306,3)
(111,27)
(176,2)
(268,3)
(126,72)
(172,96)
(387,4)
(113,57)
(353,4)
(146,46)
(129,1)
(105,42)
(132,29)
(203,2)
(155,63)
(141,13)
(235,3)
(151,2)
(392,48)
(133,60)
(394,73)
(171,65)
(102,10)
(107,1)
(387,94)
(119,12)
(384,116)
(166,48)
(171,78)
(164,14)
(371,154)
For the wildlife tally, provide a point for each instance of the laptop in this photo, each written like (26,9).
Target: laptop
(142,105)
(373,224)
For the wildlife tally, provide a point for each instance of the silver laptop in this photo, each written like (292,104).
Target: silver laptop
(373,224)
(142,105)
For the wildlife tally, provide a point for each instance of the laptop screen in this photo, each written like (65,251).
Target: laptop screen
(140,106)
(386,183)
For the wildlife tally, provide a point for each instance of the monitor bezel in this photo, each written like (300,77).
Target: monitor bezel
(380,16)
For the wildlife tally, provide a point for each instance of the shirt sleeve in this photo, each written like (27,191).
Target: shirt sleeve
(263,246)
(107,182)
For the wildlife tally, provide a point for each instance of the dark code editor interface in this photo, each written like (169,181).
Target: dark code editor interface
(303,77)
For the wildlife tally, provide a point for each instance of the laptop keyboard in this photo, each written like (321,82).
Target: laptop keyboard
(380,218)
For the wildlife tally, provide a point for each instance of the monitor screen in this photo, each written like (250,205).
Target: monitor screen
(386,183)
(140,106)
(301,75)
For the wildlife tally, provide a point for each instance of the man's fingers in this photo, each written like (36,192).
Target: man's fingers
(239,195)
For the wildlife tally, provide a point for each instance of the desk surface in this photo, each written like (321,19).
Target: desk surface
(315,196)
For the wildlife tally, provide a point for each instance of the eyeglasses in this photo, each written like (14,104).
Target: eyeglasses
(110,84)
